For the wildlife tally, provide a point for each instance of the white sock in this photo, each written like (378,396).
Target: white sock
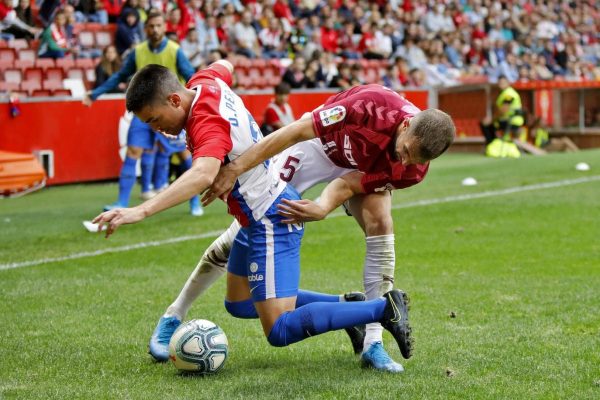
(212,266)
(378,277)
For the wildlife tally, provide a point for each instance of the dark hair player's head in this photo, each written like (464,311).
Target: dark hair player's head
(425,136)
(154,96)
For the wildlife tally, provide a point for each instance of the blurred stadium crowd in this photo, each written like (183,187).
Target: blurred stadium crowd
(308,43)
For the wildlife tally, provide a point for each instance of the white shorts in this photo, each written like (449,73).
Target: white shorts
(305,164)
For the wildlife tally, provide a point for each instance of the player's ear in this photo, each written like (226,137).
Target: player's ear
(174,99)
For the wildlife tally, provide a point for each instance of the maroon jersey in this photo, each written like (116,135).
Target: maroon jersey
(358,129)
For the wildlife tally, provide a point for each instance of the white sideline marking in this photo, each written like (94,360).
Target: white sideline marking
(419,203)
(119,249)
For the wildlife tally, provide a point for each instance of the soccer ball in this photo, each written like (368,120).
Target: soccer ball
(198,346)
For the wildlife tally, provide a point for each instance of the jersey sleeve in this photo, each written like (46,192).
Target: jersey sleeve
(380,181)
(211,73)
(209,136)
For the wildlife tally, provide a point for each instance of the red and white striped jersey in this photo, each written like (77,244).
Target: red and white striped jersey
(220,126)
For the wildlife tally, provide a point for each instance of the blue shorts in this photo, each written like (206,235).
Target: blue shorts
(172,146)
(140,134)
(268,253)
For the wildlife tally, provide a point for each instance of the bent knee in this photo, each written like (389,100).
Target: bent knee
(380,226)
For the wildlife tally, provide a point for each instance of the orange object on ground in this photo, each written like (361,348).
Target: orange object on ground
(20,173)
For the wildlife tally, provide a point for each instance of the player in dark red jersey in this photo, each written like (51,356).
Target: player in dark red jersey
(389,142)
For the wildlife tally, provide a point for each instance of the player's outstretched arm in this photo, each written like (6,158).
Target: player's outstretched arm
(273,144)
(192,182)
(335,194)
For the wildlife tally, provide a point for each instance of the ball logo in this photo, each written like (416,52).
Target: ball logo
(332,115)
(253,267)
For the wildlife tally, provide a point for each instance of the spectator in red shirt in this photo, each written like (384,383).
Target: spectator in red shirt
(329,36)
(278,112)
(179,20)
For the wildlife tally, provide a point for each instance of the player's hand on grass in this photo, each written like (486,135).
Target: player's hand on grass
(221,186)
(117,217)
(296,211)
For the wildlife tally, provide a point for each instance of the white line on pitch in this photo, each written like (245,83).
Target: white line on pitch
(427,202)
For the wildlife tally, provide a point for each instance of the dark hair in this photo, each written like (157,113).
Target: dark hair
(150,85)
(283,88)
(154,13)
(435,131)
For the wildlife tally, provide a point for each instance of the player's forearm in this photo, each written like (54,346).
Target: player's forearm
(192,182)
(339,190)
(273,144)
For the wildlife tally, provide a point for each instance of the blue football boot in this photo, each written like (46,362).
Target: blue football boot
(114,205)
(376,357)
(159,342)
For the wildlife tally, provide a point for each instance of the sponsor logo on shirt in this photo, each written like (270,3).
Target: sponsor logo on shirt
(332,115)
(348,151)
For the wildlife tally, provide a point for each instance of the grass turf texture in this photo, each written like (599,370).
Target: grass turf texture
(520,272)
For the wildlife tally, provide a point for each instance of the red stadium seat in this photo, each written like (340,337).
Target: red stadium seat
(7,55)
(23,64)
(30,86)
(13,75)
(76,73)
(27,55)
(86,39)
(103,39)
(85,63)
(62,92)
(52,85)
(90,75)
(45,63)
(5,64)
(18,44)
(93,27)
(33,74)
(65,63)
(41,93)
(8,86)
(55,74)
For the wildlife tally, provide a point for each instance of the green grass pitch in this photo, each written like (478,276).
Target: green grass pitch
(519,270)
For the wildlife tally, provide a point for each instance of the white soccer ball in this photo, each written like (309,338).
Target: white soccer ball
(198,346)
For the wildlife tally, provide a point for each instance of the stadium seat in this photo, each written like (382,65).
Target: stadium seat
(13,75)
(75,73)
(45,63)
(85,63)
(3,44)
(8,86)
(23,64)
(90,75)
(103,39)
(61,92)
(7,54)
(86,39)
(52,85)
(27,55)
(55,74)
(65,63)
(30,86)
(5,64)
(33,74)
(93,27)
(18,44)
(41,93)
